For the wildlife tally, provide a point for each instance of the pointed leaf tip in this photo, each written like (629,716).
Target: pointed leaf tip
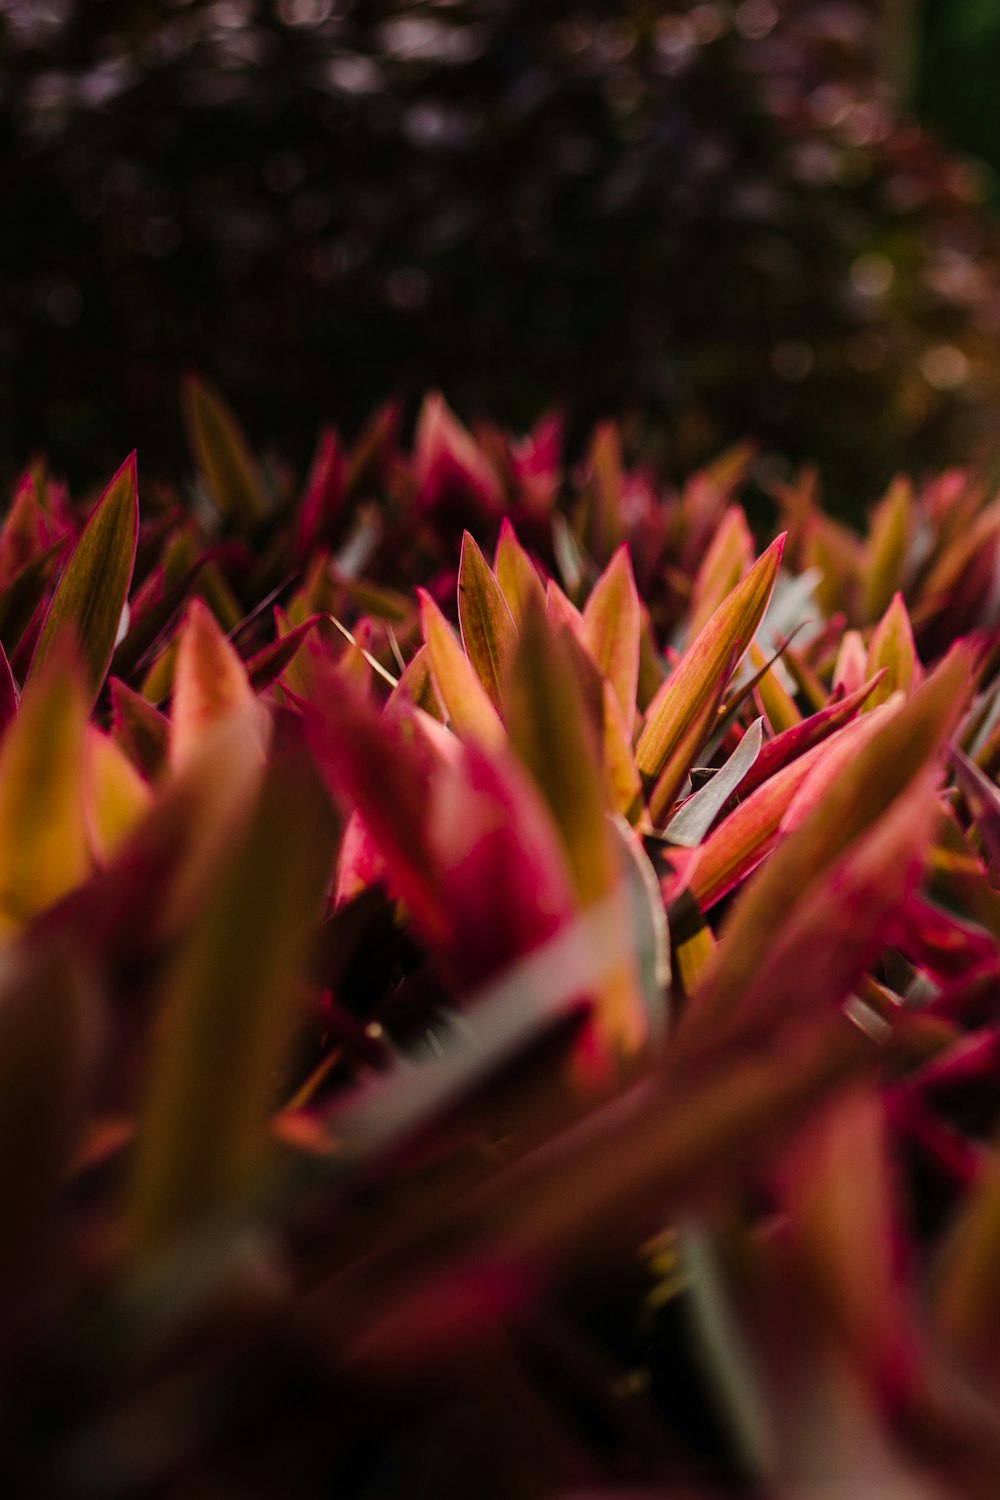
(91,594)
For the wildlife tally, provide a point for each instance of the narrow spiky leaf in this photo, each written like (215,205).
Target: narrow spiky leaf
(226,465)
(472,714)
(611,627)
(90,596)
(489,634)
(701,675)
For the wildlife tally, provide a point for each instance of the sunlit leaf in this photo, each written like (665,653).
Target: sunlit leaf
(472,714)
(871,785)
(515,572)
(892,647)
(728,558)
(778,705)
(611,627)
(210,682)
(701,675)
(488,631)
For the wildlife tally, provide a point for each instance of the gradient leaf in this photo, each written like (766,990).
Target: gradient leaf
(91,594)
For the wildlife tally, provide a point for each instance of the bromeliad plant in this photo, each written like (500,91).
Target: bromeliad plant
(499,986)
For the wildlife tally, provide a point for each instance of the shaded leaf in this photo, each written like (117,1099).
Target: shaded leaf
(90,596)
(226,465)
(144,730)
(203,1131)
(44,849)
(116,795)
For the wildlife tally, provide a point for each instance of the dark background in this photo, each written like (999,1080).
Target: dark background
(720,217)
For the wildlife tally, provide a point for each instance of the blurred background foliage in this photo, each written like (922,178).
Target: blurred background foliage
(716,215)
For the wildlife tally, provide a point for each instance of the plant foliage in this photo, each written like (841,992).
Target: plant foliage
(499,979)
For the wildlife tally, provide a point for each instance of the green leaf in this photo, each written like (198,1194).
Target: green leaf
(489,634)
(91,594)
(226,465)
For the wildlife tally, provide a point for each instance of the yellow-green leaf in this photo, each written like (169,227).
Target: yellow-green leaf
(611,626)
(470,711)
(90,596)
(116,795)
(44,851)
(885,554)
(778,705)
(892,647)
(700,677)
(551,731)
(728,558)
(515,573)
(488,630)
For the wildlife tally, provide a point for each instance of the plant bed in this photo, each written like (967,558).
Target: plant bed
(500,976)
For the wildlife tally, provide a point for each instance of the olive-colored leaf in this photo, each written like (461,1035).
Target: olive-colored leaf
(728,558)
(216,1069)
(91,594)
(885,552)
(143,730)
(552,732)
(489,634)
(611,627)
(227,468)
(472,714)
(892,647)
(116,795)
(776,702)
(44,849)
(515,572)
(701,675)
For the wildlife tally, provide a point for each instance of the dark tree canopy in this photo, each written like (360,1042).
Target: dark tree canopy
(707,213)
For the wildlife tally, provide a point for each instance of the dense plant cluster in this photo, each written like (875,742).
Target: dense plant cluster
(555,1053)
(709,211)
